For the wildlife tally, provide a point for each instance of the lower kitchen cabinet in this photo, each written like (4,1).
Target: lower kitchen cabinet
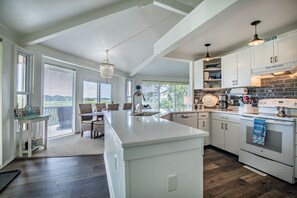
(218,134)
(203,124)
(225,132)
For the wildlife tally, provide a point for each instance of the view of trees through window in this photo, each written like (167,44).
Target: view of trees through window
(167,96)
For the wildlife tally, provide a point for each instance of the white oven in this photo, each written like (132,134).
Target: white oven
(276,156)
(279,141)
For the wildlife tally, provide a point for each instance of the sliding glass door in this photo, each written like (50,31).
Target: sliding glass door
(58,99)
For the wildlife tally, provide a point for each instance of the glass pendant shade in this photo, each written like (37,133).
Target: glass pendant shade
(256,40)
(106,69)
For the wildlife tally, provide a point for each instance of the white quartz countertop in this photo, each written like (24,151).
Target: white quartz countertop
(144,130)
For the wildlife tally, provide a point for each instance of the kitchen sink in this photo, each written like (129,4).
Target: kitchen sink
(144,113)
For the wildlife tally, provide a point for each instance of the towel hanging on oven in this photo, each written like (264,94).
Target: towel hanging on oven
(259,131)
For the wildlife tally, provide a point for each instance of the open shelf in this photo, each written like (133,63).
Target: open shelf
(212,80)
(212,69)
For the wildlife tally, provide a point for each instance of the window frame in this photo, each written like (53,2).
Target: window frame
(159,86)
(129,97)
(28,77)
(99,91)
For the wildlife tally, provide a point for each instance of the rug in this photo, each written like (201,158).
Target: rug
(72,145)
(6,177)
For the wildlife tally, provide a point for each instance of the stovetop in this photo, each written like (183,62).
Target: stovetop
(290,118)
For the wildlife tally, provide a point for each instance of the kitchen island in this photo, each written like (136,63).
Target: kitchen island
(147,156)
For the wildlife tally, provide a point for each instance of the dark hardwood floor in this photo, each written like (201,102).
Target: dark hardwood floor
(224,176)
(86,177)
(58,177)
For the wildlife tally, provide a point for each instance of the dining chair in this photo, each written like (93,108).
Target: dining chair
(113,106)
(98,129)
(99,108)
(127,106)
(86,122)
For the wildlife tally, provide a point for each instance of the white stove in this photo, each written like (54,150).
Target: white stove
(277,156)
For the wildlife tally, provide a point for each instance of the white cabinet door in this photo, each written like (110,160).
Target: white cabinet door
(232,131)
(286,49)
(204,125)
(229,70)
(198,74)
(263,55)
(218,136)
(244,68)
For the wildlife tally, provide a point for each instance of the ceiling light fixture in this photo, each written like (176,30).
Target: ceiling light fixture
(106,68)
(256,40)
(207,57)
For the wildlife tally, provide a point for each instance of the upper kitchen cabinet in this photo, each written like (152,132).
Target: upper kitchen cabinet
(229,70)
(207,74)
(274,53)
(198,74)
(236,70)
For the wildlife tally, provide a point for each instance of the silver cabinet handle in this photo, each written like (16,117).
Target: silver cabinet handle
(226,128)
(271,59)
(275,59)
(222,126)
(203,123)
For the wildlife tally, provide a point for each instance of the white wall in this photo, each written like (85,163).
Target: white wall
(8,131)
(1,61)
(85,70)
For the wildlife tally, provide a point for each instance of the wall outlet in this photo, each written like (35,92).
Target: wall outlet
(171,182)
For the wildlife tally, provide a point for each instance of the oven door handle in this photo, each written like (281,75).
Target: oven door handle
(280,122)
(271,121)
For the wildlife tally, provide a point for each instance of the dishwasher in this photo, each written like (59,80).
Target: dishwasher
(188,119)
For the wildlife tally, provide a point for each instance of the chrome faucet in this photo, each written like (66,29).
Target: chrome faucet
(138,93)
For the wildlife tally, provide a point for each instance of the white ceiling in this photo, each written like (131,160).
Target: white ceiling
(128,28)
(231,29)
(27,16)
(128,35)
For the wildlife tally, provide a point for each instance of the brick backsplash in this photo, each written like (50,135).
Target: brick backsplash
(276,87)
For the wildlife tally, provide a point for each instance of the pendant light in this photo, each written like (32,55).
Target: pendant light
(256,40)
(207,57)
(106,68)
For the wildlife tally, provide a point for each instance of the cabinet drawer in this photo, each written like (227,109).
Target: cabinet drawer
(226,117)
(203,115)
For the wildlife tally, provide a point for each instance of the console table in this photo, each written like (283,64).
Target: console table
(30,120)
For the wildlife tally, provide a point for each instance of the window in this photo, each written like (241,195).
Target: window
(129,91)
(58,99)
(105,93)
(23,80)
(94,92)
(167,96)
(90,92)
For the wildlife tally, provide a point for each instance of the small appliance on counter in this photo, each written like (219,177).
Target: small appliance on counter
(223,102)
